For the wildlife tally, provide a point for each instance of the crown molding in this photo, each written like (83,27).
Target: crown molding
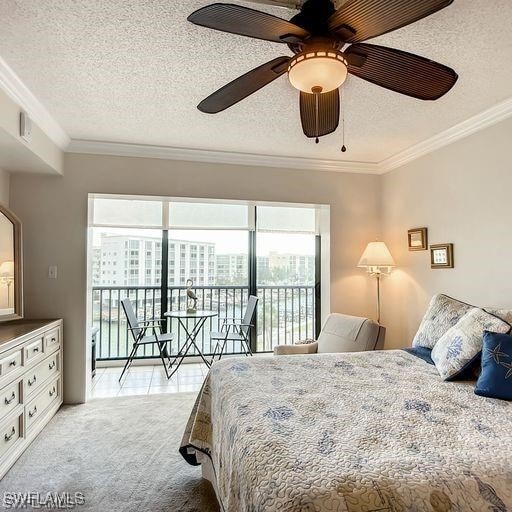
(218,157)
(474,124)
(20,94)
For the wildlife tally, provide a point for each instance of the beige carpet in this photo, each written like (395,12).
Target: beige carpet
(121,453)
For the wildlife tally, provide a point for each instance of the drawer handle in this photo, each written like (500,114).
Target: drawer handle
(32,413)
(52,392)
(35,349)
(10,400)
(32,382)
(13,363)
(54,340)
(51,366)
(10,436)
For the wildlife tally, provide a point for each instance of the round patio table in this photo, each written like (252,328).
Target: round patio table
(199,317)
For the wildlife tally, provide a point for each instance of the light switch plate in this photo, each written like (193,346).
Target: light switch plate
(52,272)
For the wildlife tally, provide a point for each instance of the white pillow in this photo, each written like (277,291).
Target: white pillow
(458,348)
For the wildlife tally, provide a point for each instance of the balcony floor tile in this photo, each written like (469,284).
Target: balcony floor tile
(162,380)
(142,380)
(171,388)
(133,391)
(187,388)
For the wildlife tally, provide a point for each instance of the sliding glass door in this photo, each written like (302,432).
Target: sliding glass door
(147,250)
(285,272)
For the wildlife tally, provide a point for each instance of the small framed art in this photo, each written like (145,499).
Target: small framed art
(417,239)
(441,256)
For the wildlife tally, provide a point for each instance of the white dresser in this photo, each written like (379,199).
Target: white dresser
(30,383)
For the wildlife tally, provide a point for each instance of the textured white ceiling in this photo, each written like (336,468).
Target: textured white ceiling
(134,70)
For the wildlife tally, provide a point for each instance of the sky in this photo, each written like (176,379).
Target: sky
(227,242)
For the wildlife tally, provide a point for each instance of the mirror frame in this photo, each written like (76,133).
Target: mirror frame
(18,266)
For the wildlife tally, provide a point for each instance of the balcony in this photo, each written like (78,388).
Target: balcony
(286,314)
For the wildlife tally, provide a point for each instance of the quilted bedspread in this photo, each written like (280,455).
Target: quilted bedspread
(356,432)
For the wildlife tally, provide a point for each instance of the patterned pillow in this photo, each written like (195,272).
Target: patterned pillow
(442,313)
(495,381)
(462,343)
(504,314)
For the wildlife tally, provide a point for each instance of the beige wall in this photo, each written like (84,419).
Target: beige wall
(54,215)
(5,184)
(462,193)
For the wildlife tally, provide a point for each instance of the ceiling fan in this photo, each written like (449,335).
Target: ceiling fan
(327,45)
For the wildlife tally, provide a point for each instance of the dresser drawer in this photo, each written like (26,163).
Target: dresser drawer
(51,341)
(36,377)
(33,349)
(10,432)
(10,397)
(38,405)
(10,363)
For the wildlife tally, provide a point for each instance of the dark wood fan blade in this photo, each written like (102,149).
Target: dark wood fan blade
(328,113)
(401,71)
(358,20)
(244,86)
(236,19)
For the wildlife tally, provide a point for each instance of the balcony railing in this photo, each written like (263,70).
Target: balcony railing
(285,315)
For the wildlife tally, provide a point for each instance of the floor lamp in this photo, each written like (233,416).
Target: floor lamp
(378,262)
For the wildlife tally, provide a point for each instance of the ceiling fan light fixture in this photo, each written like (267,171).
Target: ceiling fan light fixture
(318,71)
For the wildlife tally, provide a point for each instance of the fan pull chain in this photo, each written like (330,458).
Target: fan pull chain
(317,90)
(317,140)
(343,147)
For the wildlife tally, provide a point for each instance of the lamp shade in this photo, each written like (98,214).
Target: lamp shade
(7,269)
(312,71)
(376,254)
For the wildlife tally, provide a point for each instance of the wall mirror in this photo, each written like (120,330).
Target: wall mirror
(11,264)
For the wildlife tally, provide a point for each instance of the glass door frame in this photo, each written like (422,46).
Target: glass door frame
(253,280)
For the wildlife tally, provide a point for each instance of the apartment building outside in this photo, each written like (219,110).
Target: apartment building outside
(123,260)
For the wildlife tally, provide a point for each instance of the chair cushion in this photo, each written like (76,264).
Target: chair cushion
(344,333)
(461,345)
(443,313)
(495,380)
(299,349)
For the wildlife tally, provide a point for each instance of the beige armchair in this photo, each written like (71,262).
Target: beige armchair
(340,333)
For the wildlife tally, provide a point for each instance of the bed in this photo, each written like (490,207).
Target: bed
(356,432)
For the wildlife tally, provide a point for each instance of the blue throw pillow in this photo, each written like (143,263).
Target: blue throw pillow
(495,381)
(421,352)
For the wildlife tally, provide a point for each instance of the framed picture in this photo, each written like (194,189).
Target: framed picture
(441,256)
(417,239)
